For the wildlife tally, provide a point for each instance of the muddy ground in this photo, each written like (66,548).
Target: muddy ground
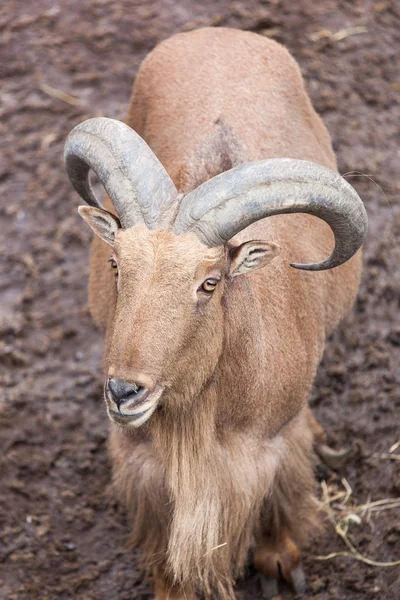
(61,535)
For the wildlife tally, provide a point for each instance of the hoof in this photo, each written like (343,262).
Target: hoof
(279,561)
(335,459)
(269,587)
(298,579)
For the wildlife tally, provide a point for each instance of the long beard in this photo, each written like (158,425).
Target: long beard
(217,489)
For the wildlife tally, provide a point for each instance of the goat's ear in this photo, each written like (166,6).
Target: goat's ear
(103,223)
(250,256)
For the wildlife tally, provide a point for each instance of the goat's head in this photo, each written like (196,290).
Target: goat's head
(173,258)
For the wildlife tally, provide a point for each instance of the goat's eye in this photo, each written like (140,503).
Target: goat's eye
(113,266)
(209,285)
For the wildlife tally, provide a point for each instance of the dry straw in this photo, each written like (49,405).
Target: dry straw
(342,513)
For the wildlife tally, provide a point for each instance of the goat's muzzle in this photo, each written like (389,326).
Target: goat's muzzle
(131,402)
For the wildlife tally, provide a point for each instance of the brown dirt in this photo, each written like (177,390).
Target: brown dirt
(61,536)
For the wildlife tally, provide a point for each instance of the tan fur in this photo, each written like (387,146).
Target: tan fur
(227,457)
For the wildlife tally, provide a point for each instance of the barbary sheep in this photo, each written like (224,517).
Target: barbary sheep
(209,358)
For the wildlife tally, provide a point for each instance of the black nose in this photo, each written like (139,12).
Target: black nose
(121,391)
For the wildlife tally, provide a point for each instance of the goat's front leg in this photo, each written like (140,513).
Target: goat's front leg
(164,591)
(279,559)
(290,515)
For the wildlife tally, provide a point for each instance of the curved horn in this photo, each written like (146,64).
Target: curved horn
(221,207)
(137,183)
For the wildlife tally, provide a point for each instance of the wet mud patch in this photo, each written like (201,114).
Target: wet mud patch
(61,535)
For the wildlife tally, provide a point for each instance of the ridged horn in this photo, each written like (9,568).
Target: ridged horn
(221,207)
(137,183)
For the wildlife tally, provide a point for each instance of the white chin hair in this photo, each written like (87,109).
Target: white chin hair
(140,420)
(123,420)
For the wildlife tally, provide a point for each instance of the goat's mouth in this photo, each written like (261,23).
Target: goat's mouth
(131,420)
(133,415)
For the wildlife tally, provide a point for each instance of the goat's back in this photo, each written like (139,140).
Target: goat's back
(224,91)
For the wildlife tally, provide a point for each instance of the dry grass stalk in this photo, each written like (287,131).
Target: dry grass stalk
(386,456)
(342,514)
(390,454)
(55,93)
(339,35)
(395,446)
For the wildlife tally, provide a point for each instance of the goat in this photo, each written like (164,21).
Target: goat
(209,358)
